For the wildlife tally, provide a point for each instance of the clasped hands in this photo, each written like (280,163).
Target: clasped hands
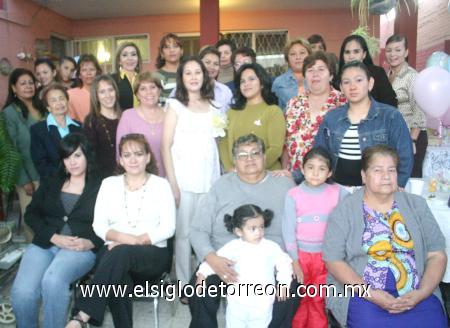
(72,243)
(129,239)
(396,304)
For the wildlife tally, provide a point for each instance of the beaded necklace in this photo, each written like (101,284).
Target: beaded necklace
(133,223)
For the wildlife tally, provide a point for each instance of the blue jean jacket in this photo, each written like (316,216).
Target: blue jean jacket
(285,87)
(383,125)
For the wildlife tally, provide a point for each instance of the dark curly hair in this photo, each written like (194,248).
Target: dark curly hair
(227,42)
(266,86)
(87,58)
(245,212)
(206,91)
(13,99)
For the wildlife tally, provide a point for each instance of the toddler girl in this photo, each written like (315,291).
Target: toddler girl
(306,212)
(255,261)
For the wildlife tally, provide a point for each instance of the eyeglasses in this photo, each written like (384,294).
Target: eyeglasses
(244,156)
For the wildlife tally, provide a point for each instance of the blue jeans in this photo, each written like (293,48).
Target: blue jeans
(47,273)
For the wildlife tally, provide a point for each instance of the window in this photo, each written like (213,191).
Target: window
(105,48)
(268,45)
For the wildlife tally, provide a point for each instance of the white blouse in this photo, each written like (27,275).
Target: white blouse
(194,149)
(150,209)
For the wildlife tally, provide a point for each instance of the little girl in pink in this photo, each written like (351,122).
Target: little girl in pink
(306,213)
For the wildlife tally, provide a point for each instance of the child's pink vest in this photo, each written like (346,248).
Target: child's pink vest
(312,212)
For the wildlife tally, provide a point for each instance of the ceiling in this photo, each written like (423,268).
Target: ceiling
(86,9)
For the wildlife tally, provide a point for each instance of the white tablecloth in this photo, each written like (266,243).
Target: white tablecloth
(441,213)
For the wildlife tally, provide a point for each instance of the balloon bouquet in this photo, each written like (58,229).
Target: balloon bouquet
(431,91)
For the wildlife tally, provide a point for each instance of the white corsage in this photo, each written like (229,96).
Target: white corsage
(219,123)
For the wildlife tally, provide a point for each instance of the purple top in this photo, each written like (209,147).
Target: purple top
(131,122)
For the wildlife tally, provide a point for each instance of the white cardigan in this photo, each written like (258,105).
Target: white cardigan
(151,209)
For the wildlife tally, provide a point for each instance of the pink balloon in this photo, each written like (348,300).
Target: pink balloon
(431,90)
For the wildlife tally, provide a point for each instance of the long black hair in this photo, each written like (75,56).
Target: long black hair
(362,42)
(13,99)
(206,91)
(266,86)
(68,145)
(245,212)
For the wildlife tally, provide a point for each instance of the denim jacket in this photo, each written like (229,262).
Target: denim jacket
(383,125)
(285,87)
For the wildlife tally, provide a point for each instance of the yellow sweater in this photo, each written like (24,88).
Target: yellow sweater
(266,122)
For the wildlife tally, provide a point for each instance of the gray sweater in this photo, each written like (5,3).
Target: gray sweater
(343,240)
(208,232)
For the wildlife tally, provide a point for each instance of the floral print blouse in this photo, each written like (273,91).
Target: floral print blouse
(301,128)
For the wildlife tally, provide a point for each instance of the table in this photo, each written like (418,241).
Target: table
(441,213)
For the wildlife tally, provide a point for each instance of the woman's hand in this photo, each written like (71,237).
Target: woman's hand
(65,242)
(83,244)
(113,244)
(29,188)
(144,239)
(282,173)
(222,266)
(408,301)
(298,273)
(383,299)
(176,194)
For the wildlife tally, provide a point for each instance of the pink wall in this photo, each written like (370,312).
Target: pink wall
(334,25)
(433,29)
(20,25)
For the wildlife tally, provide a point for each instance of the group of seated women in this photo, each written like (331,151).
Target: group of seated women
(171,133)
